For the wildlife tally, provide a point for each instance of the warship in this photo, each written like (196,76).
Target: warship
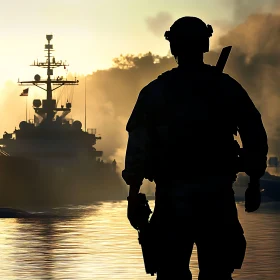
(51,160)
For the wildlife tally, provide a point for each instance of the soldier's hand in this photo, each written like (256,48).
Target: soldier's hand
(252,198)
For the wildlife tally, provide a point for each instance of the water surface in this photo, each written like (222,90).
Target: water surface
(97,242)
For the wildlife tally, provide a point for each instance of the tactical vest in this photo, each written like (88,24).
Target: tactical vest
(192,127)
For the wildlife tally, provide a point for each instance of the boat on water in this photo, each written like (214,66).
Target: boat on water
(51,160)
(269,183)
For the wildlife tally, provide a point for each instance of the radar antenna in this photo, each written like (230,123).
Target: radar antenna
(49,108)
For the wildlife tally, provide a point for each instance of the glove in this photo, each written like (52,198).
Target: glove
(132,210)
(253,197)
(138,210)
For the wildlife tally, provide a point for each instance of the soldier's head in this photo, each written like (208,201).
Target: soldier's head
(187,36)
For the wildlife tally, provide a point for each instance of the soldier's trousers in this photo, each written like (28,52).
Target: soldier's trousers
(205,215)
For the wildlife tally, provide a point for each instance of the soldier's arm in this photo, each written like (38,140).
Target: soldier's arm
(251,131)
(137,146)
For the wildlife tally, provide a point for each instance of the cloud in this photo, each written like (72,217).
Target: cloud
(159,23)
(241,9)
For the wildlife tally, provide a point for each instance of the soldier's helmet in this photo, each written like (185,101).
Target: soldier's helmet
(189,33)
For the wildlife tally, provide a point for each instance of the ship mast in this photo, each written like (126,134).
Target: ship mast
(49,109)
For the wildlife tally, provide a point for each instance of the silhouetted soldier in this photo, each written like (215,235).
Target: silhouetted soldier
(186,117)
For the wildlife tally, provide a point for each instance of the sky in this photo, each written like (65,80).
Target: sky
(90,33)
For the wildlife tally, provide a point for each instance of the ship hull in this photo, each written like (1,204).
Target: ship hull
(31,184)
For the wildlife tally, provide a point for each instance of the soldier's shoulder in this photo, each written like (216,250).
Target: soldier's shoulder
(167,75)
(159,83)
(225,78)
(232,84)
(214,71)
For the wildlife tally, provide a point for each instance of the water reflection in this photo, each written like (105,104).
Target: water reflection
(97,242)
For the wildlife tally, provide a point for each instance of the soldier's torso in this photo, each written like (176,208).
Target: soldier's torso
(191,121)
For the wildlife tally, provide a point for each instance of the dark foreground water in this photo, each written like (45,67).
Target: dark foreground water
(97,242)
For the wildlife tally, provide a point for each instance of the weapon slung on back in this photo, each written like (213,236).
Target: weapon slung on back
(221,63)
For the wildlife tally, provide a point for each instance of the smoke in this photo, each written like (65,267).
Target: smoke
(241,9)
(255,64)
(157,24)
(111,95)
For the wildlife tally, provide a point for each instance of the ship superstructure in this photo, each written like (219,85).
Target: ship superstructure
(51,134)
